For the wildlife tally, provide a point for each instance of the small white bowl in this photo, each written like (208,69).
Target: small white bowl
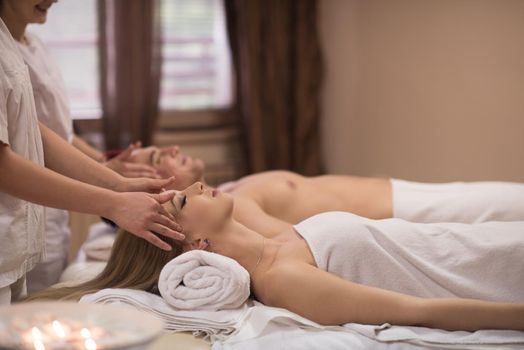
(72,326)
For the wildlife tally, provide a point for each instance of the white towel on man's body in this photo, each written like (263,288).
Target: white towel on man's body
(466,202)
(200,280)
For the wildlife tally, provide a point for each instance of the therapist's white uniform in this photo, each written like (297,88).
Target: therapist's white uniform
(52,107)
(21,223)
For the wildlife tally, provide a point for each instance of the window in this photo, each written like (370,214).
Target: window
(71,35)
(196,68)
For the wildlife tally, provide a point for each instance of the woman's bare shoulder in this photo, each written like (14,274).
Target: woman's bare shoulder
(267,286)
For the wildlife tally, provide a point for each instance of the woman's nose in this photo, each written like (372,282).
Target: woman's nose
(195,189)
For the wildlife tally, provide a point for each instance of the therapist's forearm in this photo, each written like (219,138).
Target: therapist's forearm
(63,158)
(24,179)
(88,150)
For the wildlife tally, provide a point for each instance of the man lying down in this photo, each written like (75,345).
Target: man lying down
(291,197)
(337,267)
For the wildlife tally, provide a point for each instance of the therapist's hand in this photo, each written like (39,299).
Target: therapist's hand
(142,184)
(122,164)
(143,215)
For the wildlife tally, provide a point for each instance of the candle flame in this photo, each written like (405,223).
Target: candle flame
(59,330)
(90,344)
(85,333)
(39,345)
(37,335)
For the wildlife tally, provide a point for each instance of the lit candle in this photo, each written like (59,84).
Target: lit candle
(59,330)
(85,333)
(90,344)
(39,345)
(37,335)
(37,339)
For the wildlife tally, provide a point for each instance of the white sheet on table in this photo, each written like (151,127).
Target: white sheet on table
(256,326)
(265,327)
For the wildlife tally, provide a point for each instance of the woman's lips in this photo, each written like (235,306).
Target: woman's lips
(214,192)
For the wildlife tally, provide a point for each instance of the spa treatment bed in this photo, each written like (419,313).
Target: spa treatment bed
(255,326)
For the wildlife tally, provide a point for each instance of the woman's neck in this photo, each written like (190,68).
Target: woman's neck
(15,26)
(247,247)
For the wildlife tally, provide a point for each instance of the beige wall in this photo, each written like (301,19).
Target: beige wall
(426,90)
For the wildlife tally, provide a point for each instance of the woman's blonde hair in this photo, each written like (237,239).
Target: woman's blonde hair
(133,263)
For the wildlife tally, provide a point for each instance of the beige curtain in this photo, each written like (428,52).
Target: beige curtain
(278,67)
(130,62)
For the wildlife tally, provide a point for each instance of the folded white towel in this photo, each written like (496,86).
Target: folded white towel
(200,280)
(213,325)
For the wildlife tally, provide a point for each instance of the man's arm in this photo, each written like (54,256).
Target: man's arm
(139,213)
(330,300)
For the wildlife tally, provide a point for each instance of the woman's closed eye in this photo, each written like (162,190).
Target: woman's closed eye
(183,201)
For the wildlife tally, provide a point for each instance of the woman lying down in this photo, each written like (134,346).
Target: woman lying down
(337,268)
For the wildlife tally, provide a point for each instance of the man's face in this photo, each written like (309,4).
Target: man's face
(169,161)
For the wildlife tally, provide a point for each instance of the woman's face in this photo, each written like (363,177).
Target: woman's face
(169,161)
(201,210)
(28,11)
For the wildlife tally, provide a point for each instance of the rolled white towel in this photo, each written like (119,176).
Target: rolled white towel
(200,280)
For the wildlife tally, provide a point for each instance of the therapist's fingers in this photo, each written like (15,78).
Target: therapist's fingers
(155,240)
(166,231)
(158,185)
(138,174)
(168,220)
(164,196)
(125,154)
(154,187)
(171,217)
(139,167)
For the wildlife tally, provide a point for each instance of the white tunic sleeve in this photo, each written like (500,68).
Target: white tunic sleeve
(21,222)
(51,101)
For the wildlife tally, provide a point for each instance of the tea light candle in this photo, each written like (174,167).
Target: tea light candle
(59,330)
(71,326)
(65,334)
(89,343)
(37,336)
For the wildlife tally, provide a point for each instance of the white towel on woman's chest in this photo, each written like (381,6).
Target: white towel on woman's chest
(483,261)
